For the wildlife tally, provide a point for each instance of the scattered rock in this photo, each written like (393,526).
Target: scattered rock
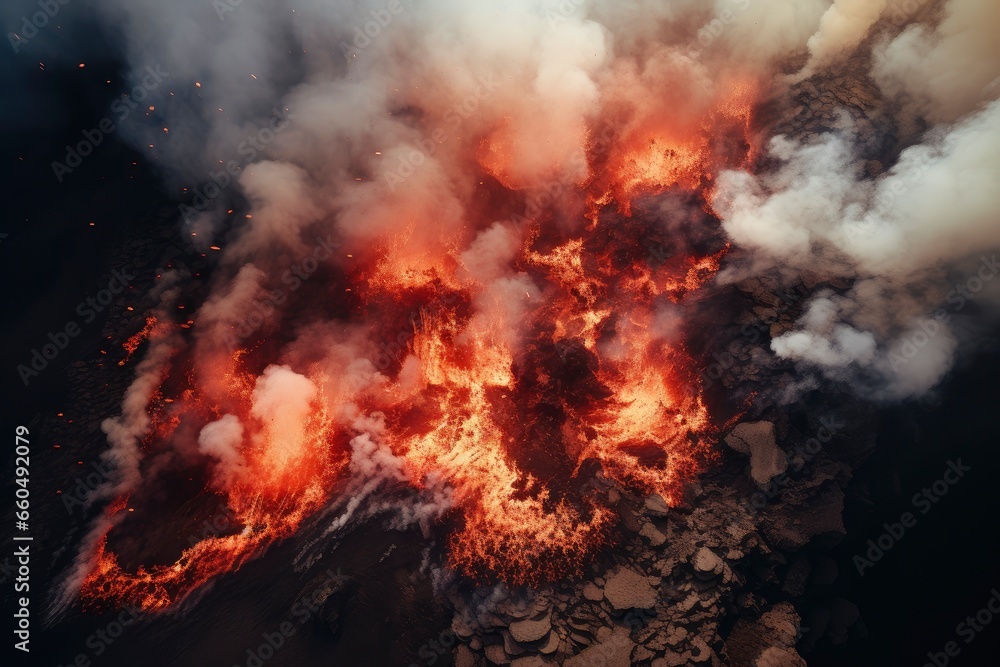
(677,635)
(627,589)
(756,439)
(510,646)
(656,506)
(496,655)
(616,651)
(464,657)
(750,641)
(652,534)
(790,526)
(593,593)
(460,627)
(797,577)
(779,657)
(700,651)
(707,564)
(550,645)
(531,630)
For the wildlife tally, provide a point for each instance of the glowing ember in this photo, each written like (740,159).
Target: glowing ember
(135,340)
(510,392)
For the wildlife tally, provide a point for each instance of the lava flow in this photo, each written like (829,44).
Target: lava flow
(519,380)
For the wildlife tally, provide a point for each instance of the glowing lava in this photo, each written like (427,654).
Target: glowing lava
(509,388)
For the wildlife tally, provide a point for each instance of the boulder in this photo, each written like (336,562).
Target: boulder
(756,439)
(531,630)
(707,564)
(627,589)
(616,651)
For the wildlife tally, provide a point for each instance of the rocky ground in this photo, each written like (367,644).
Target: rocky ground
(708,582)
(716,580)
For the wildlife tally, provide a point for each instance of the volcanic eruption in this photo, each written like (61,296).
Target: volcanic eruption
(476,278)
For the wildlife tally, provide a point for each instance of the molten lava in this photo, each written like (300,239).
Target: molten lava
(512,390)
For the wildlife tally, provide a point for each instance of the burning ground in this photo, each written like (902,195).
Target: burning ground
(479,285)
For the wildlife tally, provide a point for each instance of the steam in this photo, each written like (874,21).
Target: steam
(221,440)
(902,238)
(944,71)
(842,28)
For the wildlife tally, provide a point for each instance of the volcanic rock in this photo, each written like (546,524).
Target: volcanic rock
(464,657)
(756,439)
(797,577)
(460,627)
(510,646)
(616,651)
(530,661)
(652,534)
(688,603)
(700,651)
(791,526)
(496,655)
(550,645)
(779,657)
(642,654)
(677,635)
(656,506)
(531,630)
(678,659)
(627,589)
(593,593)
(749,641)
(707,564)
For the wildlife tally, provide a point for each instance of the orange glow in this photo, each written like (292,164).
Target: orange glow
(290,469)
(648,163)
(135,340)
(513,426)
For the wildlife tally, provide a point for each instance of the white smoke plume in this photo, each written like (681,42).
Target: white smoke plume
(221,440)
